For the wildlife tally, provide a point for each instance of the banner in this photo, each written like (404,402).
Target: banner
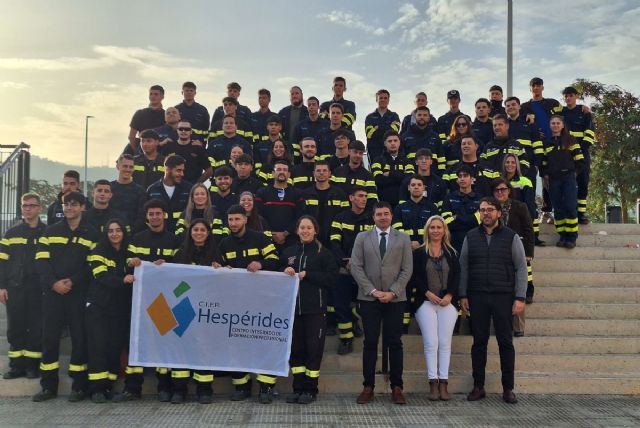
(198,317)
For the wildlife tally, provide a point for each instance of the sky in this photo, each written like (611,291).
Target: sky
(63,60)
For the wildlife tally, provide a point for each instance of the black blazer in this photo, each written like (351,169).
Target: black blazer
(420,269)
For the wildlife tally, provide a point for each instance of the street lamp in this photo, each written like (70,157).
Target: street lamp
(86,150)
(509,48)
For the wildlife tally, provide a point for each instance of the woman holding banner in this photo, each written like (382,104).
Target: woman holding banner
(317,269)
(107,312)
(198,248)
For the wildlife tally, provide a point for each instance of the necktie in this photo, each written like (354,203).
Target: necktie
(383,244)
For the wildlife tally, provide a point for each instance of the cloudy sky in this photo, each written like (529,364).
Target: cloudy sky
(62,60)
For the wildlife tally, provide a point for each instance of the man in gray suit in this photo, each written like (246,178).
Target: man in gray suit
(381,264)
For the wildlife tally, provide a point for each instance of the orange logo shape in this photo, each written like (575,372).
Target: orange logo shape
(161,315)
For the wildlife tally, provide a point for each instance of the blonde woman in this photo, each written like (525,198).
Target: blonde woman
(438,273)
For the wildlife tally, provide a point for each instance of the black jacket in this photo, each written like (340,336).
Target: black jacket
(240,251)
(62,253)
(520,222)
(490,266)
(176,204)
(17,253)
(107,289)
(420,270)
(321,272)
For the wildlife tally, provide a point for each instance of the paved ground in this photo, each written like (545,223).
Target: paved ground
(333,411)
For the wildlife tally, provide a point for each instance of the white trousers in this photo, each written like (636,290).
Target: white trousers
(436,324)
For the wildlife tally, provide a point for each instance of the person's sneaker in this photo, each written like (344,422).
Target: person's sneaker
(205,398)
(570,245)
(76,396)
(560,243)
(33,374)
(357,330)
(540,243)
(164,396)
(293,398)
(266,395)
(240,394)
(177,398)
(518,334)
(345,347)
(306,398)
(14,374)
(44,395)
(126,396)
(98,397)
(331,331)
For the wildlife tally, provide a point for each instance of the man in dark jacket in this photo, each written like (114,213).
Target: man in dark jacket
(20,291)
(172,190)
(493,284)
(61,262)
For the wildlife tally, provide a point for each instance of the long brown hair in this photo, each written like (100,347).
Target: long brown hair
(453,134)
(208,210)
(566,139)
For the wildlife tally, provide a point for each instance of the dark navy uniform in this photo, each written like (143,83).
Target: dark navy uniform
(198,116)
(416,138)
(324,205)
(349,111)
(375,126)
(175,204)
(389,185)
(460,212)
(347,178)
(147,171)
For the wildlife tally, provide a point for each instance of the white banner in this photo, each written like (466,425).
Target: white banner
(198,317)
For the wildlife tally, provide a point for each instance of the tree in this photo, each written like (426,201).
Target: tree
(615,162)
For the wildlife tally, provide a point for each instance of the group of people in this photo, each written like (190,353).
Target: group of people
(444,218)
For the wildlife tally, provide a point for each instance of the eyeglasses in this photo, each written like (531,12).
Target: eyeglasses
(501,189)
(461,125)
(184,129)
(487,210)
(25,206)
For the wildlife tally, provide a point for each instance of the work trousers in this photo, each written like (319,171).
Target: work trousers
(107,337)
(202,378)
(388,317)
(485,307)
(582,180)
(60,310)
(341,296)
(307,347)
(24,327)
(519,320)
(563,193)
(436,324)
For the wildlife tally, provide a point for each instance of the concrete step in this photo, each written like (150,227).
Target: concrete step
(602,311)
(597,240)
(587,279)
(598,228)
(563,293)
(415,381)
(592,253)
(582,327)
(582,265)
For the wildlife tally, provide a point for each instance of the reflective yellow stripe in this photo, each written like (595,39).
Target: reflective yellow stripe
(180,374)
(58,240)
(331,309)
(32,354)
(4,256)
(98,376)
(112,376)
(139,250)
(253,252)
(98,269)
(50,366)
(162,370)
(43,255)
(230,255)
(271,380)
(242,381)
(89,244)
(346,335)
(77,367)
(345,325)
(15,354)
(268,249)
(101,259)
(203,377)
(298,369)
(14,241)
(313,373)
(133,370)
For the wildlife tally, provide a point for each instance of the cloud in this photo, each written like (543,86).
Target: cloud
(60,64)
(13,85)
(351,20)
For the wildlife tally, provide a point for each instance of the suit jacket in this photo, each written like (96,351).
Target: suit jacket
(389,274)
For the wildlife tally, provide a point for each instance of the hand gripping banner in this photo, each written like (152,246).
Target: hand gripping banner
(198,317)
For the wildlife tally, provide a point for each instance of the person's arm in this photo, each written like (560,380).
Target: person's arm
(400,284)
(464,269)
(520,265)
(357,266)
(326,273)
(43,263)
(133,141)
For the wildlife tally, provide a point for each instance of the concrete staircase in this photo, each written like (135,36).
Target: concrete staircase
(582,334)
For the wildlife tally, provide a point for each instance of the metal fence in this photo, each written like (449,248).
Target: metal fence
(14,181)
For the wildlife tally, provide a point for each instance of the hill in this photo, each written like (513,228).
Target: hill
(51,171)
